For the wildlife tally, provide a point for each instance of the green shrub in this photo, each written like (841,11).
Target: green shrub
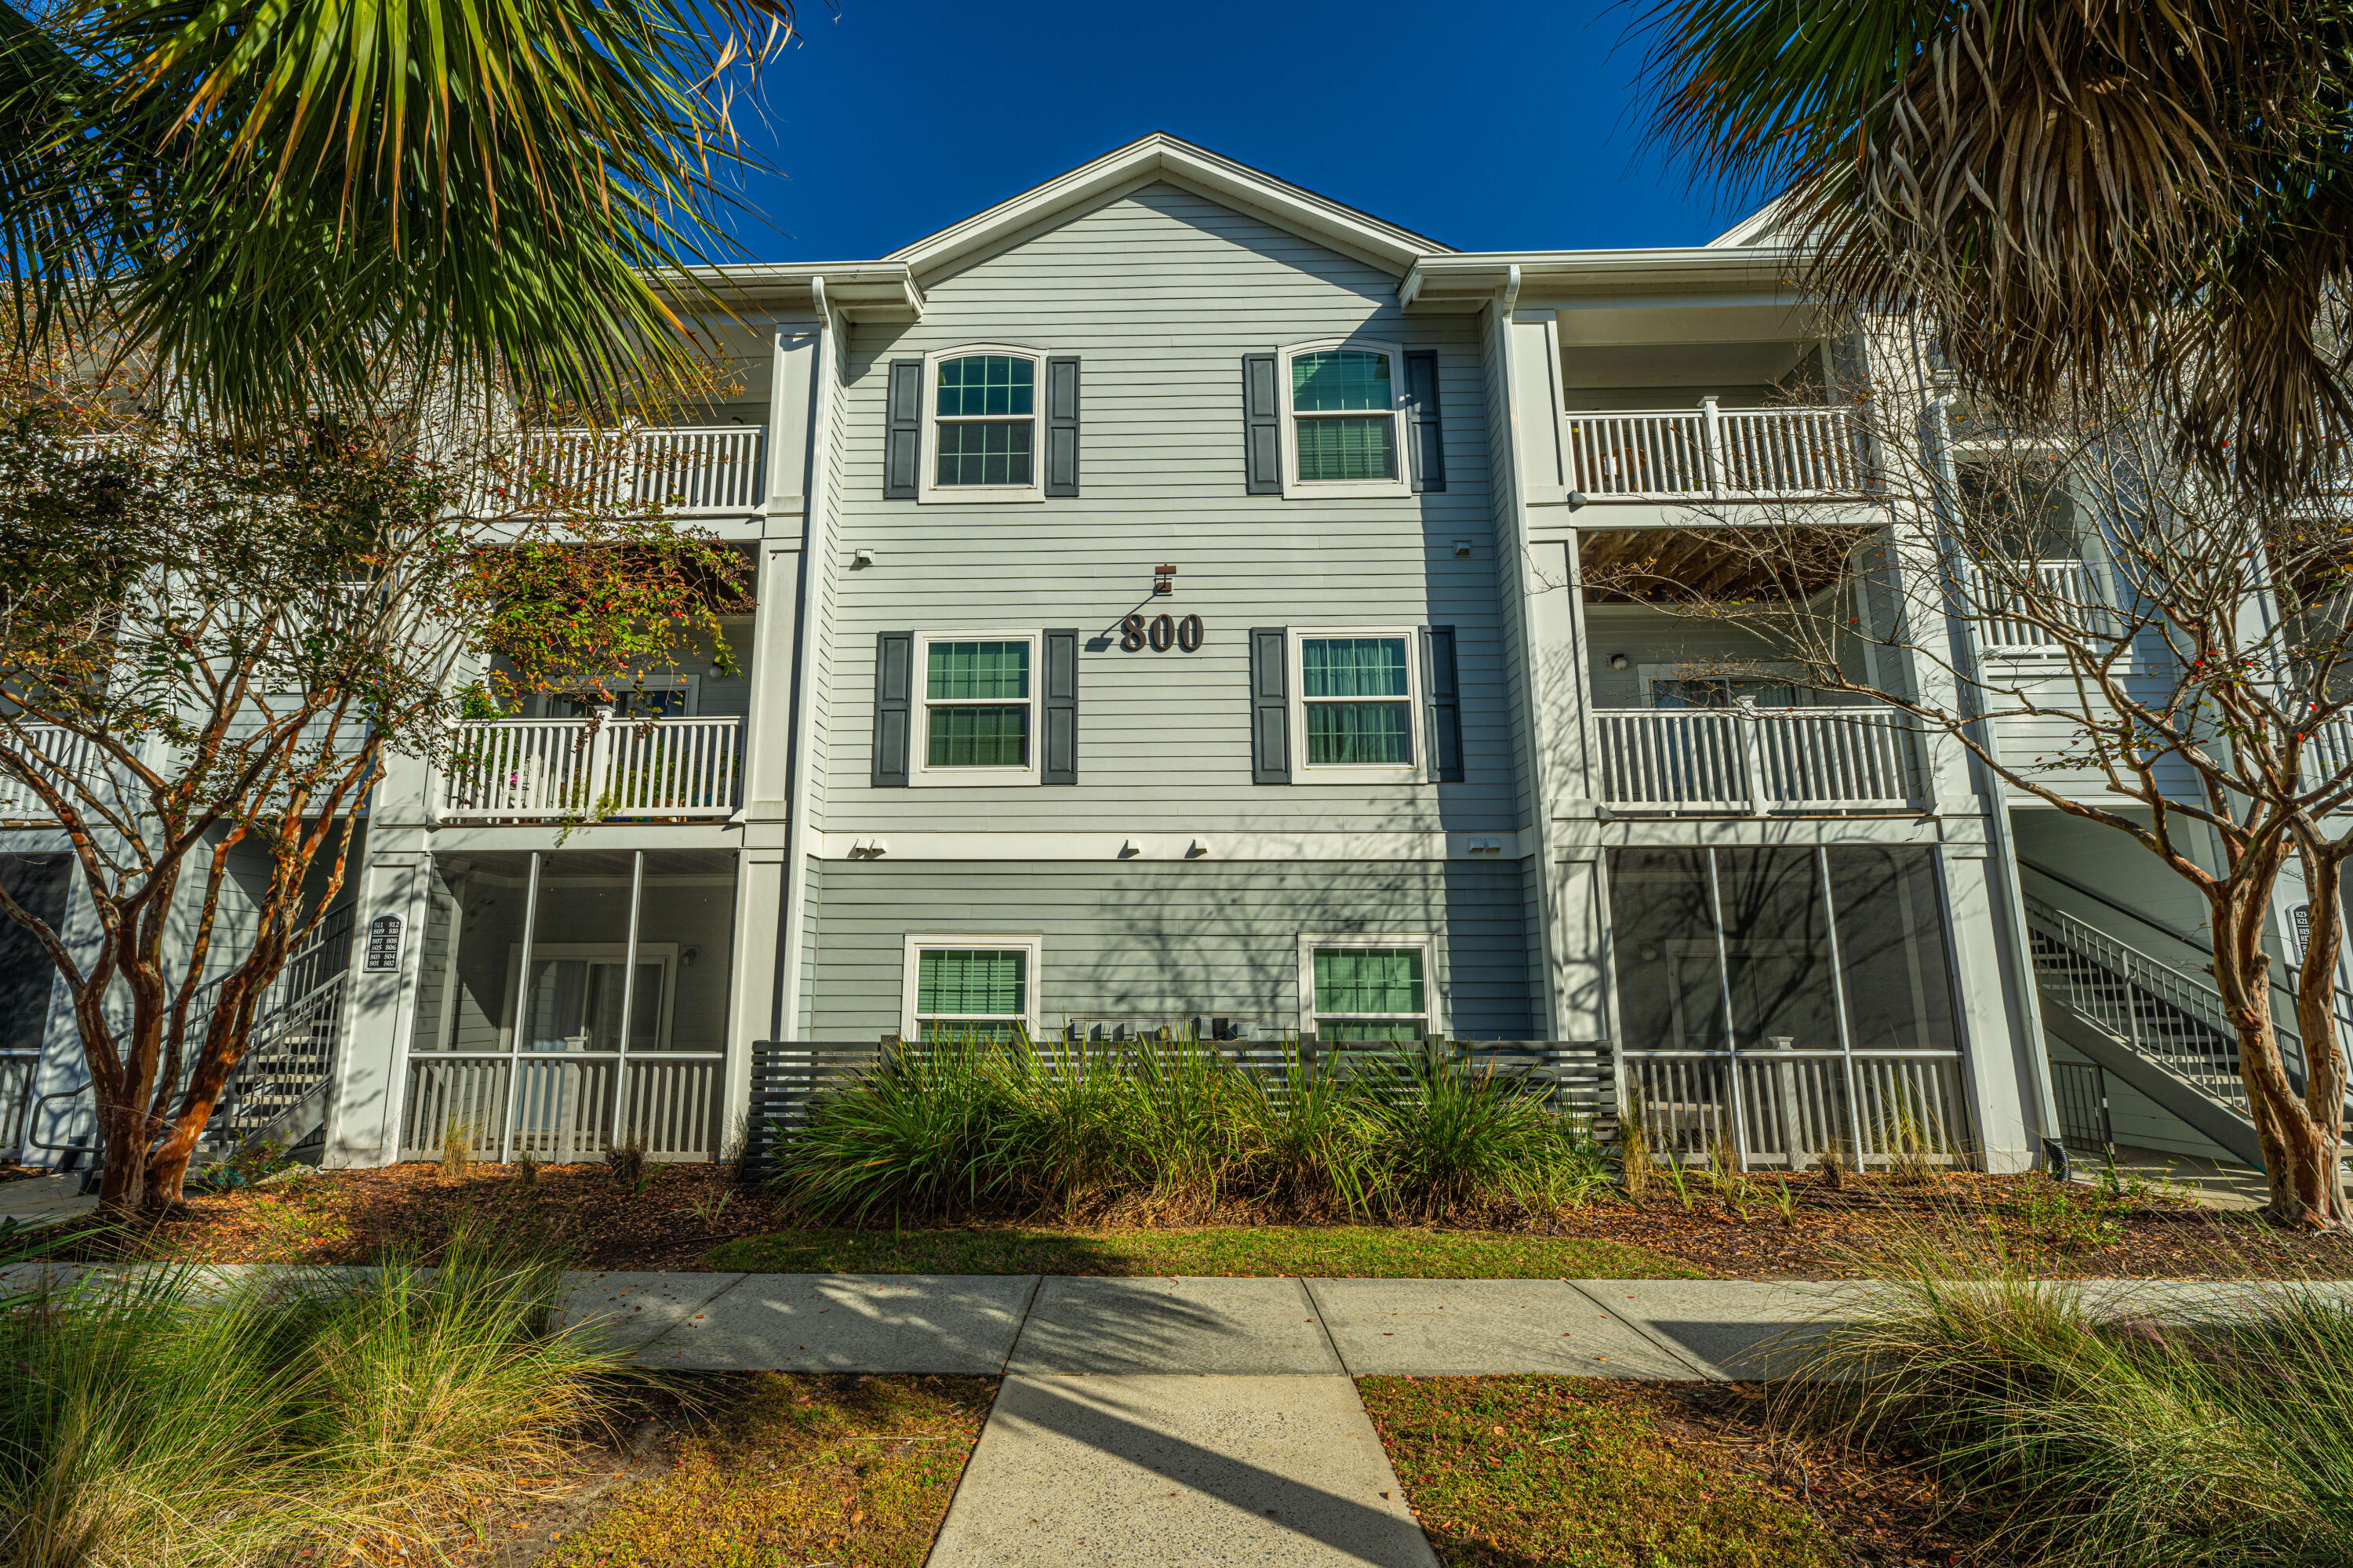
(1172,1129)
(1454,1133)
(160,1419)
(2103,1433)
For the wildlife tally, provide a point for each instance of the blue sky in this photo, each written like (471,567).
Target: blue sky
(1487,124)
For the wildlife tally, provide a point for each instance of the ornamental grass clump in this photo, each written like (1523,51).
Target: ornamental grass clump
(160,1420)
(2108,1427)
(1173,1130)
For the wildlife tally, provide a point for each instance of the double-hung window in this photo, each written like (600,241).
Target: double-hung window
(1367,989)
(982,424)
(1358,692)
(1345,408)
(978,692)
(970,987)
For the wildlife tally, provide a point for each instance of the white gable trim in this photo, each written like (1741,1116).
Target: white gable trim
(1160,156)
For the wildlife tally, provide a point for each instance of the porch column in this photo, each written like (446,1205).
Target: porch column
(1997,1066)
(364,1100)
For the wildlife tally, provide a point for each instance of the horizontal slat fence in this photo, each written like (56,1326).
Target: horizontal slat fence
(788,1075)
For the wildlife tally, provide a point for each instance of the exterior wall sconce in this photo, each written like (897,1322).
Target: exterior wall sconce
(1163,580)
(1617,661)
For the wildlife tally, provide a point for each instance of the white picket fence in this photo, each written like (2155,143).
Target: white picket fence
(561,1106)
(1681,454)
(687,472)
(539,770)
(1784,1107)
(1756,761)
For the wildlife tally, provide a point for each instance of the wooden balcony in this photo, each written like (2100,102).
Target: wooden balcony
(605,769)
(1710,453)
(692,471)
(1750,762)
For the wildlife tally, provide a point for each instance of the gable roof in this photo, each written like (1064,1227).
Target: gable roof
(1161,156)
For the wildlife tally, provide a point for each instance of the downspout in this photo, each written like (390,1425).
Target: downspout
(2052,1153)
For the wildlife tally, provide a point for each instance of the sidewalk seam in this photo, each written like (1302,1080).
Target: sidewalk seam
(1707,1371)
(715,1298)
(1020,1327)
(1307,1290)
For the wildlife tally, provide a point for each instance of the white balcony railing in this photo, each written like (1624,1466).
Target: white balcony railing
(688,472)
(65,756)
(1686,454)
(558,770)
(1756,761)
(2069,583)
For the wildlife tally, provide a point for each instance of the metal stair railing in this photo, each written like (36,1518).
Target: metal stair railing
(2164,1015)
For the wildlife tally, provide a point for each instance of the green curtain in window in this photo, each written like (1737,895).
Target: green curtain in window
(978,736)
(1340,380)
(990,984)
(1368,979)
(985,453)
(977,670)
(983,384)
(1332,449)
(1372,735)
(1352,666)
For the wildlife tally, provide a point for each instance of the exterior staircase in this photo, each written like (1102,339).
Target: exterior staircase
(2159,1028)
(279,1092)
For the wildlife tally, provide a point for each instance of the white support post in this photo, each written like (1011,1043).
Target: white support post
(1711,426)
(1752,752)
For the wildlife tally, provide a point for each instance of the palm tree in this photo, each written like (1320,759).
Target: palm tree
(275,198)
(2065,185)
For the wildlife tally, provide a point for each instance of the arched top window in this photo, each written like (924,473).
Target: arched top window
(1345,403)
(981,423)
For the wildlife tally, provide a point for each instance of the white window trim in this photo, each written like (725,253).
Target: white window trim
(662,953)
(690,684)
(1649,675)
(1293,487)
(919,742)
(994,942)
(1433,1003)
(928,458)
(1303,771)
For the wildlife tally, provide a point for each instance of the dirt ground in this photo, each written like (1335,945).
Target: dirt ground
(1770,1227)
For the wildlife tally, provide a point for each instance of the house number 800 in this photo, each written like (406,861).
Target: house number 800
(1163,632)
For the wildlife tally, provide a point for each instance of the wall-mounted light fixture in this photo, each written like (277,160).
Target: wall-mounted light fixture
(1163,580)
(1617,661)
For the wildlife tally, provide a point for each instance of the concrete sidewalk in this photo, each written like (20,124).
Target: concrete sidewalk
(1025,1325)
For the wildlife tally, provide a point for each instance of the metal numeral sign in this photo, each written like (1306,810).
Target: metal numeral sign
(1162,633)
(384,942)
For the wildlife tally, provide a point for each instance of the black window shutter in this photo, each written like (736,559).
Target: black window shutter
(1269,704)
(902,447)
(1262,426)
(1427,438)
(1058,759)
(1062,427)
(895,689)
(1445,706)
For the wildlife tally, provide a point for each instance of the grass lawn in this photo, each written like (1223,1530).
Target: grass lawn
(783,1470)
(1365,1252)
(1509,1471)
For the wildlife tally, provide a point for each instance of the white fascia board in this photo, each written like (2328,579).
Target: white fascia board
(774,284)
(1679,267)
(1160,156)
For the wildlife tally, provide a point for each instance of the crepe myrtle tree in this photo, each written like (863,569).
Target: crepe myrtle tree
(2170,639)
(214,645)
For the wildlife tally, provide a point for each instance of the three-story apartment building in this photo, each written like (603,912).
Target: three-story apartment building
(1179,601)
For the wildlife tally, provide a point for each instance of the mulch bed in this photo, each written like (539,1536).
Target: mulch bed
(682,1212)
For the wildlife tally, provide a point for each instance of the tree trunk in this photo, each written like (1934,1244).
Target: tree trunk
(122,1188)
(2302,1153)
